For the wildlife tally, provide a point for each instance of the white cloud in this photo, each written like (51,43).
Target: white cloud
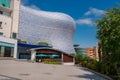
(85,21)
(94,11)
(90,21)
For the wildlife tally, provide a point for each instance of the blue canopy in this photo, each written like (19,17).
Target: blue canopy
(31,45)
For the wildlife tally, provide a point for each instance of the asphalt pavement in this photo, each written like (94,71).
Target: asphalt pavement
(23,70)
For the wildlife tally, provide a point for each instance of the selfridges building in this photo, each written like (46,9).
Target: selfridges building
(54,27)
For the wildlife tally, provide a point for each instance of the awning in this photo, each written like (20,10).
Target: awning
(41,55)
(6,44)
(31,45)
(45,55)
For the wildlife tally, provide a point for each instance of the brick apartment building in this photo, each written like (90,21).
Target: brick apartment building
(93,53)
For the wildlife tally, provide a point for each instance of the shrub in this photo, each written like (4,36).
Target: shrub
(48,62)
(107,68)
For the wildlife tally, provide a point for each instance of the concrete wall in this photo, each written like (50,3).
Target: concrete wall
(15,6)
(6,25)
(10,19)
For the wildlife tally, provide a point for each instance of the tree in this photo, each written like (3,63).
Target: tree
(44,42)
(109,34)
(79,57)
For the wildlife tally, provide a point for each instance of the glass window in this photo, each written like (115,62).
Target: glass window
(6,14)
(5,3)
(1,12)
(1,34)
(12,51)
(0,51)
(14,35)
(0,24)
(7,52)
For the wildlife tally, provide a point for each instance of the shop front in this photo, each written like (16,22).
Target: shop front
(8,47)
(6,51)
(51,55)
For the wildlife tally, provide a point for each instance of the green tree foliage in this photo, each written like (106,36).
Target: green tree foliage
(109,35)
(44,42)
(79,57)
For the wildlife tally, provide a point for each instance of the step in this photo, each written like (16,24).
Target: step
(6,58)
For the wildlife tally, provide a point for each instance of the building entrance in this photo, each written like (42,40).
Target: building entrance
(7,52)
(6,49)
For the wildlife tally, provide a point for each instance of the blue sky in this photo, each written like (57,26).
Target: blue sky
(84,12)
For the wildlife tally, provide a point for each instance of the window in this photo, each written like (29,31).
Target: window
(0,51)
(3,5)
(0,25)
(1,12)
(14,35)
(5,13)
(1,33)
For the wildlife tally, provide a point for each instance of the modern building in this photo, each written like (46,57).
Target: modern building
(49,54)
(80,50)
(93,53)
(9,21)
(53,27)
(54,30)
(44,53)
(23,51)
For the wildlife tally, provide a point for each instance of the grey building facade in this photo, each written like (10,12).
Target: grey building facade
(56,28)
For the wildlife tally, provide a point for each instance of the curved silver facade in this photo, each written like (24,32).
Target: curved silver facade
(57,28)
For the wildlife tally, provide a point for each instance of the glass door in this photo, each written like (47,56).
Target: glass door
(7,52)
